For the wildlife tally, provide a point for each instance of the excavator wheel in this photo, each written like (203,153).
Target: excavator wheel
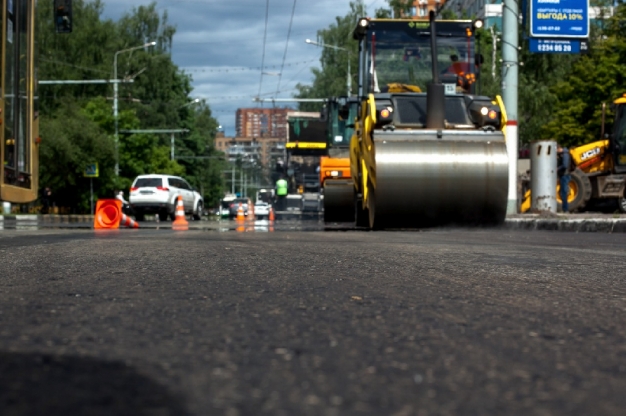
(579,191)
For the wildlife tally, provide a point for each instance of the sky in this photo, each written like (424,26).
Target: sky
(220,43)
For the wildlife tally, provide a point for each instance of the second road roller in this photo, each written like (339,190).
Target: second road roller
(426,150)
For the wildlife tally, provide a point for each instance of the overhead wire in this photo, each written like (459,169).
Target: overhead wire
(244,68)
(267,12)
(280,74)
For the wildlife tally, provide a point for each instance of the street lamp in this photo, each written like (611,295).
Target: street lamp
(197,100)
(115,97)
(339,48)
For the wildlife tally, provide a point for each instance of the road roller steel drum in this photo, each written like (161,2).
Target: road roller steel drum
(430,177)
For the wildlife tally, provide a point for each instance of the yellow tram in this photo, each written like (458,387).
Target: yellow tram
(19,127)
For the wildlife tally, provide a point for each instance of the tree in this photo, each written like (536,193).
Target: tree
(596,78)
(330,80)
(155,100)
(71,141)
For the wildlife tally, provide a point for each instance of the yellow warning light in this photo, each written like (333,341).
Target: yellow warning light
(493,114)
(384,113)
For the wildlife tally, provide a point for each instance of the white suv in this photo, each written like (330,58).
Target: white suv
(158,194)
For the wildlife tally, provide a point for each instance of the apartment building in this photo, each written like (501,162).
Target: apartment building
(420,8)
(262,122)
(250,150)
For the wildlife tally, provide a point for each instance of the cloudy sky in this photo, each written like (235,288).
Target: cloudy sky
(220,43)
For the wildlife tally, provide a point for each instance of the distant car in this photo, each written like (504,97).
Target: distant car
(224,209)
(246,204)
(158,194)
(261,210)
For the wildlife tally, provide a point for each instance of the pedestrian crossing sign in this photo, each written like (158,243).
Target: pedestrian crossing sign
(91,171)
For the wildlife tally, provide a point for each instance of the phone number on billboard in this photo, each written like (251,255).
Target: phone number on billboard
(554,48)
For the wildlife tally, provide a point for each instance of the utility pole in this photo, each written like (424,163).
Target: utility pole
(510,62)
(494,39)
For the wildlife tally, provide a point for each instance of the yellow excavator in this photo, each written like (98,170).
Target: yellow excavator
(598,168)
(425,151)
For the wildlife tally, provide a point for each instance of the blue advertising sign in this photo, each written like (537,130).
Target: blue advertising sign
(559,18)
(558,45)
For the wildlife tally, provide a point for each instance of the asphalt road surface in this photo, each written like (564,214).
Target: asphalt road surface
(157,322)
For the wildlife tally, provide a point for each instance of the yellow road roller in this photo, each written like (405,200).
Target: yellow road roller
(426,151)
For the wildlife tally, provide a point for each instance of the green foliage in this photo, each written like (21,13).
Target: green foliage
(400,8)
(592,80)
(331,79)
(157,99)
(71,141)
(559,96)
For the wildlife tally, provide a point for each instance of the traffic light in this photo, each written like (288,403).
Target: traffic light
(63,16)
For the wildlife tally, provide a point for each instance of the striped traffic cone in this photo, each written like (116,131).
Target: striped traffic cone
(128,222)
(240,214)
(180,221)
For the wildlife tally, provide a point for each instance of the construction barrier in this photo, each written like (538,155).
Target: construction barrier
(108,214)
(180,221)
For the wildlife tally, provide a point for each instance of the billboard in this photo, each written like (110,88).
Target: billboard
(559,18)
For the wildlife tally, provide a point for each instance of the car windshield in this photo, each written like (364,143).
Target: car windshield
(148,182)
(241,200)
(400,53)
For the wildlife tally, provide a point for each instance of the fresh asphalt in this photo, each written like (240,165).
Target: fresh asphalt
(202,322)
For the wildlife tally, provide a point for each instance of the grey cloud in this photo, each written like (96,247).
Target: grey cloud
(228,35)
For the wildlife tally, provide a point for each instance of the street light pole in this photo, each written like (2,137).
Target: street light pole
(339,48)
(195,101)
(115,108)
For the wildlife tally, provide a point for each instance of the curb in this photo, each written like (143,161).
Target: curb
(525,222)
(602,225)
(65,218)
(47,218)
(20,217)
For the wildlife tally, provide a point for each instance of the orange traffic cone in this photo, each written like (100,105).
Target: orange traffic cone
(108,214)
(240,215)
(129,222)
(180,222)
(271,216)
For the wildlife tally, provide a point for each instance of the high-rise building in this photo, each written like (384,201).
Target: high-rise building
(420,8)
(263,152)
(262,122)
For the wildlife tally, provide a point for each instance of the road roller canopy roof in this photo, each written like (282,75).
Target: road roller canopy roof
(396,54)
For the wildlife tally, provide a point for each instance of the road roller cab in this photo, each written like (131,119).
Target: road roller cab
(426,149)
